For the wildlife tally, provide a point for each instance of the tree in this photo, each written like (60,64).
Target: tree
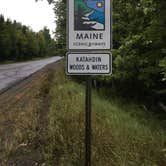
(5,39)
(139,39)
(60,12)
(19,42)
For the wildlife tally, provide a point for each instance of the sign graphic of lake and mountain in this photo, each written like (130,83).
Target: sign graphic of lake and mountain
(89,14)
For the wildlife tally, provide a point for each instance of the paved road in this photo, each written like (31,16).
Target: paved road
(11,73)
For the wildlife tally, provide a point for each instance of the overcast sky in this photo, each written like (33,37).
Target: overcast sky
(30,13)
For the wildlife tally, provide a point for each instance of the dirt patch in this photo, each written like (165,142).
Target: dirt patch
(23,118)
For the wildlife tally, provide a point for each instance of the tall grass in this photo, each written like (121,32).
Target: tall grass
(122,135)
(48,124)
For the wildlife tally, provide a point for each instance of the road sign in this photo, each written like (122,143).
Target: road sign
(89,24)
(88,63)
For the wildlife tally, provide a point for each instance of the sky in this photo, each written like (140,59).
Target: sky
(30,13)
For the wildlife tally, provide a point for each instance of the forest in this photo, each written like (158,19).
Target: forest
(139,49)
(42,119)
(18,42)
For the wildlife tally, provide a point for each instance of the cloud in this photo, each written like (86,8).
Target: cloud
(30,13)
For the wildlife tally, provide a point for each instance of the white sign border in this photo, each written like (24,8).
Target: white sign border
(81,50)
(110,63)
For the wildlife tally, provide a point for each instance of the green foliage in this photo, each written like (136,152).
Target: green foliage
(139,39)
(60,34)
(122,134)
(19,42)
(139,46)
(44,124)
(163,65)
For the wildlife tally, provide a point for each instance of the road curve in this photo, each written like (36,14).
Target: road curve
(11,73)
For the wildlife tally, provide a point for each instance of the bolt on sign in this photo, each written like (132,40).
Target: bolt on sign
(89,24)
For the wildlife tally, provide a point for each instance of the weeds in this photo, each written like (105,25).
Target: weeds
(122,135)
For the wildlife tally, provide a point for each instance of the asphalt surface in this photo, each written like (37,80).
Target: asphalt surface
(11,73)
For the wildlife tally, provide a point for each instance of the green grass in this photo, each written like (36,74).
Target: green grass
(123,134)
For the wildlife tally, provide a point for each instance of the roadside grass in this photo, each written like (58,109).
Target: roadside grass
(123,135)
(18,129)
(135,138)
(23,120)
(47,124)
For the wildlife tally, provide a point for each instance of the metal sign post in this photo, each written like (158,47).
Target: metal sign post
(88,64)
(88,122)
(89,28)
